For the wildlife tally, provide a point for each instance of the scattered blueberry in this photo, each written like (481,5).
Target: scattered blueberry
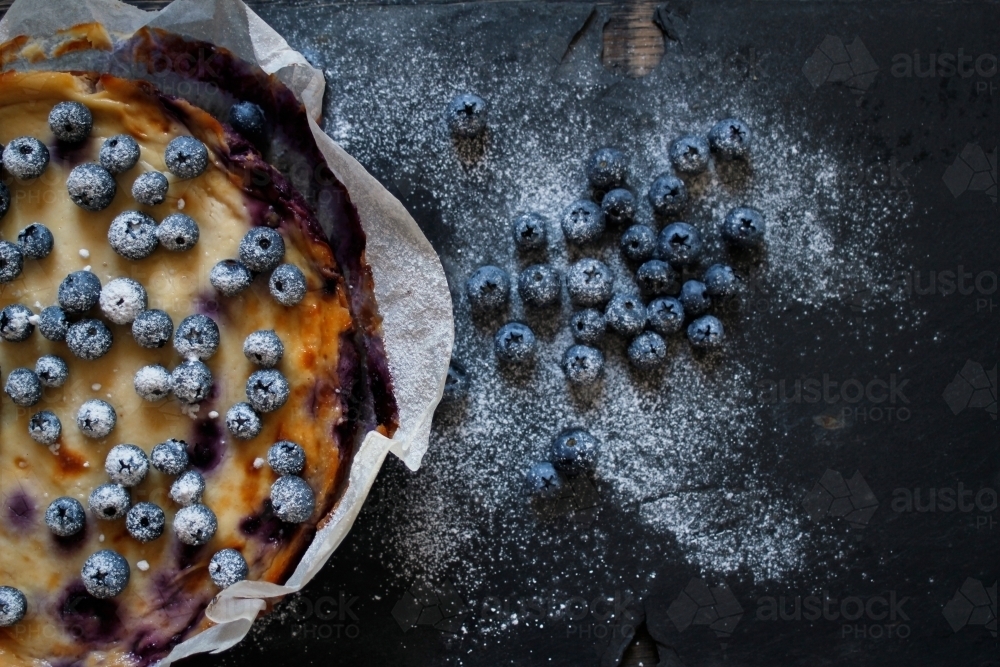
(150,188)
(655,277)
(286,458)
(638,243)
(607,169)
(13,606)
(230,277)
(65,516)
(191,381)
(530,232)
(582,222)
(170,457)
(195,525)
(96,419)
(665,315)
(188,488)
(25,158)
(145,522)
(11,262)
(705,332)
(680,244)
(152,383)
(582,364)
(15,323)
(515,343)
(89,339)
(178,232)
(689,154)
(455,383)
(267,390)
(227,567)
(186,157)
(466,115)
(574,450)
(79,292)
(248,119)
(647,351)
(152,329)
(619,206)
(543,480)
(488,289)
(292,499)
(91,187)
(51,370)
(539,285)
(35,241)
(589,282)
(23,387)
(625,315)
(287,284)
(730,139)
(694,297)
(720,280)
(588,326)
(105,574)
(261,249)
(196,336)
(52,323)
(132,235)
(264,348)
(119,153)
(122,299)
(243,422)
(668,195)
(45,428)
(126,465)
(744,227)
(109,501)
(71,122)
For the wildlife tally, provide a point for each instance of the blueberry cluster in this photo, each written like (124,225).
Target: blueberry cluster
(572,452)
(267,389)
(262,249)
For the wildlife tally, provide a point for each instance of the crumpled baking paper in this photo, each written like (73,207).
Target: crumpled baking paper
(410,285)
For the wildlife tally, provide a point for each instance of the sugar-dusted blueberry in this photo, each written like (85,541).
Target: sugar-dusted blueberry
(23,387)
(488,289)
(188,488)
(71,122)
(105,574)
(720,280)
(227,567)
(45,428)
(655,277)
(126,465)
(145,522)
(96,418)
(91,187)
(15,323)
(292,498)
(79,292)
(35,241)
(191,381)
(52,323)
(689,154)
(530,232)
(539,285)
(583,364)
(514,343)
(13,606)
(287,284)
(668,195)
(230,277)
(89,339)
(178,232)
(261,249)
(625,315)
(589,282)
(456,383)
(264,348)
(52,371)
(170,457)
(119,153)
(195,525)
(11,262)
(543,481)
(152,329)
(286,457)
(152,383)
(680,244)
(109,501)
(267,390)
(744,227)
(665,315)
(248,119)
(25,158)
(647,351)
(694,297)
(65,516)
(132,235)
(587,326)
(150,188)
(243,422)
(638,243)
(197,336)
(607,168)
(730,139)
(582,222)
(706,332)
(574,450)
(466,115)
(186,157)
(618,206)
(122,299)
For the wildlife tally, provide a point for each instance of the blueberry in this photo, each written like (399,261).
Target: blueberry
(152,383)
(744,227)
(292,498)
(91,187)
(195,525)
(230,277)
(51,370)
(13,606)
(150,188)
(186,157)
(152,329)
(720,280)
(466,115)
(126,465)
(4,199)
(11,262)
(530,232)
(668,195)
(227,567)
(89,339)
(261,249)
(607,169)
(243,422)
(287,285)
(79,292)
(44,427)
(196,336)
(35,241)
(105,574)
(119,153)
(267,390)
(625,315)
(52,323)
(589,282)
(543,481)
(132,235)
(455,383)
(587,326)
(109,501)
(680,244)
(689,154)
(264,348)
(488,289)
(539,285)
(248,119)
(582,364)
(730,139)
(574,450)
(655,277)
(188,488)
(706,332)
(286,458)
(65,516)
(647,351)
(170,457)
(582,222)
(15,323)
(191,381)
(23,387)
(122,299)
(694,298)
(178,232)
(96,419)
(71,122)
(619,206)
(514,343)
(25,158)
(145,522)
